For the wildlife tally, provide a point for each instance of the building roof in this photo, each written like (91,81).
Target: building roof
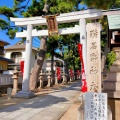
(6,59)
(19,46)
(4,42)
(55,59)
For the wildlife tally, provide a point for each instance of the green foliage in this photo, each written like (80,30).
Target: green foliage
(48,55)
(11,32)
(3,24)
(20,5)
(36,9)
(102,4)
(6,11)
(62,6)
(110,59)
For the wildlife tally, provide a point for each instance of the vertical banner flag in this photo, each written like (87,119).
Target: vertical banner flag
(84,83)
(22,67)
(58,73)
(78,74)
(71,73)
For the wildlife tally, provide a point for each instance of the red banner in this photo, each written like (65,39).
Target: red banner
(78,73)
(84,83)
(58,73)
(22,67)
(71,73)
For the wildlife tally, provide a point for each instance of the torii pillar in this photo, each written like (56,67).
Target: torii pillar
(25,92)
(83,41)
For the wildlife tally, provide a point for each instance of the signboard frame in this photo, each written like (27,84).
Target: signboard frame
(95,106)
(114,22)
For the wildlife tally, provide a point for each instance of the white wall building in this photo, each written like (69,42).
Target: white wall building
(17,54)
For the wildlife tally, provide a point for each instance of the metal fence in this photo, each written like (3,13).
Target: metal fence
(8,80)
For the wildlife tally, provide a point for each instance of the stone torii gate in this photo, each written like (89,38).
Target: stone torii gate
(80,16)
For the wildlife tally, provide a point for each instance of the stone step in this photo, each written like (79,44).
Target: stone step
(112,94)
(110,85)
(115,68)
(113,76)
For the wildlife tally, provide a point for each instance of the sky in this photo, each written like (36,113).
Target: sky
(3,35)
(6,38)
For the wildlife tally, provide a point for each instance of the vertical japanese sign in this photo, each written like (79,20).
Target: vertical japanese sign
(94,57)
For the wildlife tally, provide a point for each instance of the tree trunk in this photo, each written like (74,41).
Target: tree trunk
(38,65)
(52,70)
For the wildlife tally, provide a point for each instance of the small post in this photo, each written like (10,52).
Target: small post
(15,81)
(9,91)
(64,79)
(71,79)
(56,79)
(71,75)
(49,79)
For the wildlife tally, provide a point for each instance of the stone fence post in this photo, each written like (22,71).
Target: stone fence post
(56,78)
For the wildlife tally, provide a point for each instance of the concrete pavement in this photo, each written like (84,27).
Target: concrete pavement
(43,107)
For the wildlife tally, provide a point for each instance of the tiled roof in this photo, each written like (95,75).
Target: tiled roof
(55,59)
(5,43)
(14,47)
(6,59)
(20,46)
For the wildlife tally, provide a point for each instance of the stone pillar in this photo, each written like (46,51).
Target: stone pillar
(28,50)
(42,74)
(9,93)
(56,80)
(71,79)
(64,79)
(111,86)
(49,79)
(15,81)
(52,78)
(26,93)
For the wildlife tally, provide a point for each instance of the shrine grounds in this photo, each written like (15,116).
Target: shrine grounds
(51,103)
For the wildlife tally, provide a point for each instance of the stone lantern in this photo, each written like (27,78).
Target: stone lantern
(49,79)
(64,79)
(111,85)
(15,81)
(41,78)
